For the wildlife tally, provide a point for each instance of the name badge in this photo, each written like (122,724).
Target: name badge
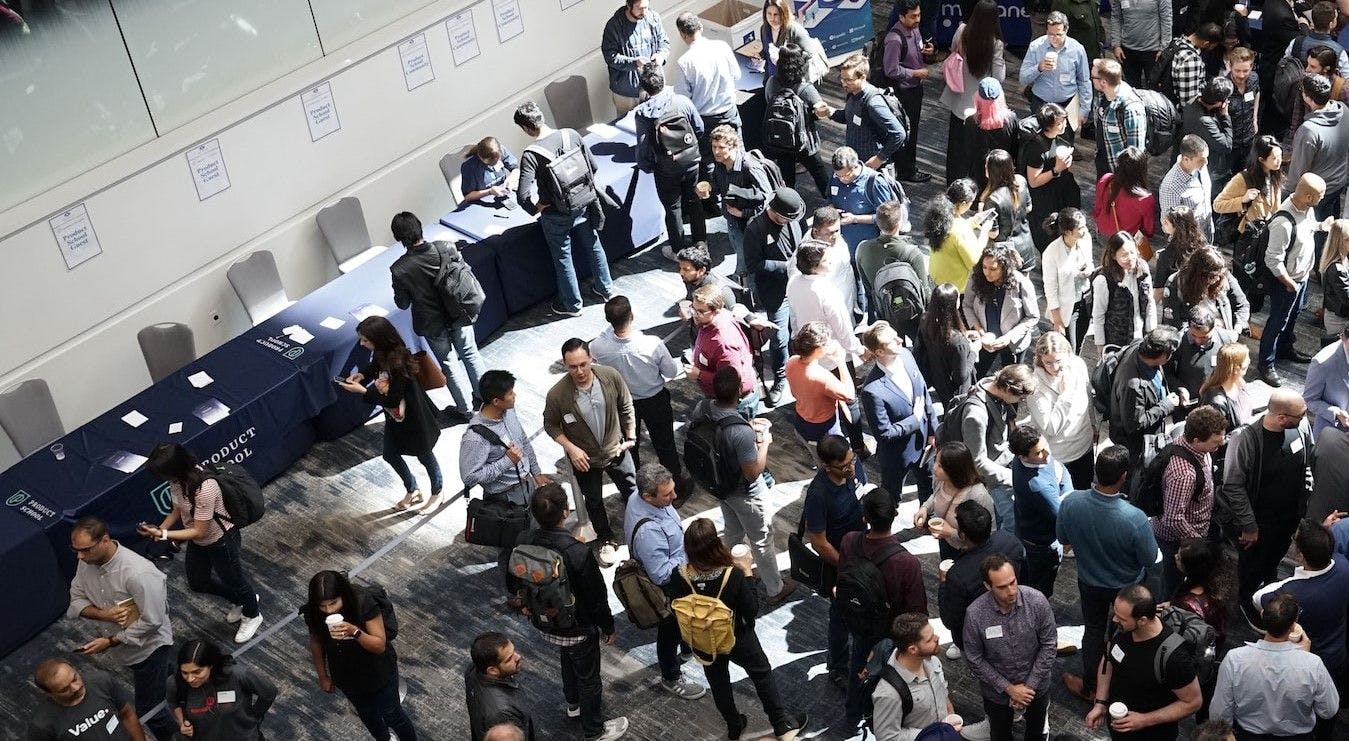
(224,697)
(993,631)
(569,418)
(1182,10)
(1117,653)
(1296,445)
(833,190)
(1249,97)
(856,120)
(1065,78)
(770,239)
(1124,4)
(113,722)
(1112,127)
(702,360)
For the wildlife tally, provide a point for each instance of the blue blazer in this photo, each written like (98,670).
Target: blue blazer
(1327,385)
(890,412)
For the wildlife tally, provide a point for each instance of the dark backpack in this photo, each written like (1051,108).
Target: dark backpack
(239,493)
(948,430)
(775,179)
(891,102)
(677,140)
(1165,64)
(1288,74)
(1103,378)
(860,591)
(380,597)
(1248,254)
(703,455)
(900,296)
(645,603)
(545,585)
(1163,120)
(461,295)
(784,124)
(875,53)
(1147,493)
(1187,628)
(566,176)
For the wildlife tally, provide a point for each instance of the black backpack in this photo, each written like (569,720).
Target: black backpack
(900,296)
(1248,255)
(1187,628)
(677,140)
(784,124)
(948,430)
(1288,74)
(775,179)
(380,597)
(239,493)
(879,669)
(1103,378)
(1163,120)
(703,456)
(891,102)
(461,295)
(567,176)
(1165,64)
(875,53)
(1147,492)
(859,590)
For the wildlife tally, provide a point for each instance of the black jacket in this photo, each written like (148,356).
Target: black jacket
(1335,281)
(768,248)
(950,368)
(414,278)
(1234,309)
(1136,409)
(964,583)
(418,432)
(494,701)
(583,573)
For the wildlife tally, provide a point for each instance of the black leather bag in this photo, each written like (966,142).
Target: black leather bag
(807,567)
(495,522)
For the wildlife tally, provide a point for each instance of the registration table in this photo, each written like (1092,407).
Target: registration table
(259,400)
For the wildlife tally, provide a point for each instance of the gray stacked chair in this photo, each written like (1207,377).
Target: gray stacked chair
(449,167)
(167,346)
(569,100)
(258,284)
(343,227)
(28,415)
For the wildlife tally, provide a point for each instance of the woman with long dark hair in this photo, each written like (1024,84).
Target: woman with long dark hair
(1048,162)
(955,236)
(1122,305)
(1204,281)
(1254,193)
(954,480)
(1001,309)
(1125,201)
(1067,270)
(353,653)
(979,41)
(409,417)
(1008,195)
(711,571)
(992,126)
(214,699)
(1183,238)
(1208,586)
(792,66)
(1335,278)
(213,562)
(945,355)
(779,29)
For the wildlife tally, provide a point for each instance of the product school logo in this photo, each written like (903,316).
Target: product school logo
(30,508)
(16,499)
(162,498)
(282,346)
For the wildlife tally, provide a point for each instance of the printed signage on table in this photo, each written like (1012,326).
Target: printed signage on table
(463,37)
(208,169)
(320,111)
(416,59)
(508,19)
(841,26)
(22,502)
(75,236)
(570,3)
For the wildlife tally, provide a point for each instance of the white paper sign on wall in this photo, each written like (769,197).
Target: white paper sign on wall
(75,236)
(463,37)
(207,164)
(416,59)
(320,111)
(508,19)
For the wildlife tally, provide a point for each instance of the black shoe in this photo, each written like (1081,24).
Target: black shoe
(733,731)
(917,176)
(596,292)
(1271,377)
(1295,355)
(794,726)
(774,395)
(454,416)
(839,679)
(563,311)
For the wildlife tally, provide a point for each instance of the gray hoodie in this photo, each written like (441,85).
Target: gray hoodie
(624,41)
(1142,25)
(1321,145)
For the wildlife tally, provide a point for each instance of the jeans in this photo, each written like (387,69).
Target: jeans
(148,681)
(856,700)
(624,476)
(1280,329)
(394,457)
(911,100)
(747,521)
(217,569)
(814,164)
(1097,604)
(658,416)
(735,234)
(677,192)
(748,655)
(748,405)
(1042,566)
(1138,67)
(1000,718)
(563,231)
(581,684)
(779,342)
(461,342)
(1004,507)
(381,712)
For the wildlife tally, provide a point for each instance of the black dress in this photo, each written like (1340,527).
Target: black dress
(948,368)
(417,433)
(1059,193)
(983,141)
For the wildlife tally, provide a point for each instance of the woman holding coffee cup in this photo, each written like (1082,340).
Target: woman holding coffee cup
(352,652)
(954,480)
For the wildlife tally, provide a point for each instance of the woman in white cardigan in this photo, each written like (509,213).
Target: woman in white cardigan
(1067,268)
(1061,406)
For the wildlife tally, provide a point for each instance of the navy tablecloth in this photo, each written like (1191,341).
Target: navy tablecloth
(29,571)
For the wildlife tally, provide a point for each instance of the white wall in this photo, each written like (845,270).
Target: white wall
(165,253)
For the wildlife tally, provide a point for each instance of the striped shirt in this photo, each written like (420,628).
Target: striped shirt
(484,463)
(209,509)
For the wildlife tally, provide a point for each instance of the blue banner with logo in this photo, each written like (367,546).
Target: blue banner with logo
(1016,29)
(841,26)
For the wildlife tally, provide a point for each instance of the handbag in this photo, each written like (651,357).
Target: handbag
(429,373)
(1141,240)
(807,566)
(953,69)
(495,522)
(819,61)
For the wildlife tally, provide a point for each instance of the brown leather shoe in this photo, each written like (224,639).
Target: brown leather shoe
(1075,687)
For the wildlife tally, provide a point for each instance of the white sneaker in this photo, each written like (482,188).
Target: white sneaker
(573,711)
(248,627)
(607,555)
(236,613)
(953,652)
(683,689)
(613,729)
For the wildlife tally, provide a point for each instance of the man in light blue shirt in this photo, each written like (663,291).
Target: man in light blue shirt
(1057,69)
(1275,687)
(706,74)
(656,539)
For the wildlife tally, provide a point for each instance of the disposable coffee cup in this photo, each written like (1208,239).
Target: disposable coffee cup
(946,565)
(761,424)
(740,552)
(59,451)
(1118,710)
(332,620)
(1053,58)
(685,309)
(935,522)
(954,720)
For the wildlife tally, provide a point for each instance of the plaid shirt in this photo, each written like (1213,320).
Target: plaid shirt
(1195,190)
(1184,515)
(1187,71)
(1126,109)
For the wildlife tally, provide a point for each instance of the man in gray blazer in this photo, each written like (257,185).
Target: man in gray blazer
(1327,389)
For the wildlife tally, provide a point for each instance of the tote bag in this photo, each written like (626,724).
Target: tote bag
(953,69)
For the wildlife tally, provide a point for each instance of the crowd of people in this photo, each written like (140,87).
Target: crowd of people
(950,355)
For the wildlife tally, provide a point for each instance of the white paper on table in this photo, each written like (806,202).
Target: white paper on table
(508,19)
(175,428)
(300,335)
(416,59)
(211,411)
(320,111)
(463,37)
(1253,15)
(603,130)
(125,462)
(368,310)
(208,169)
(200,379)
(492,230)
(134,418)
(332,322)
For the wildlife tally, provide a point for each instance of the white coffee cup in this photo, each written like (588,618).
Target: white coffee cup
(954,720)
(740,552)
(1118,710)
(945,566)
(1053,58)
(333,620)
(685,309)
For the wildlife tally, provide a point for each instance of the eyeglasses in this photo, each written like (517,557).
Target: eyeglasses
(85,549)
(704,311)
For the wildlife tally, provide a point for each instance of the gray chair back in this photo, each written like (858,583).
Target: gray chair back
(343,227)
(28,415)
(258,283)
(449,167)
(569,100)
(167,347)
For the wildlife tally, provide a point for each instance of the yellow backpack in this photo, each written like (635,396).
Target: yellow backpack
(705,623)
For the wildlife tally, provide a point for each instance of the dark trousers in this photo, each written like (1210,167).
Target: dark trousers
(581,684)
(1082,470)
(780,340)
(1329,206)
(1259,564)
(1042,566)
(624,476)
(1138,68)
(814,164)
(911,100)
(1169,576)
(750,656)
(894,472)
(1000,718)
(1280,329)
(148,682)
(837,657)
(1075,324)
(1167,732)
(217,569)
(658,416)
(1097,604)
(676,192)
(957,150)
(730,118)
(856,701)
(667,648)
(381,712)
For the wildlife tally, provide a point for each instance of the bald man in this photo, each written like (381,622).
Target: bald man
(92,707)
(1289,258)
(1265,489)
(504,732)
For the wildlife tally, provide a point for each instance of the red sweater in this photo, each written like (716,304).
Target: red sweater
(1136,213)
